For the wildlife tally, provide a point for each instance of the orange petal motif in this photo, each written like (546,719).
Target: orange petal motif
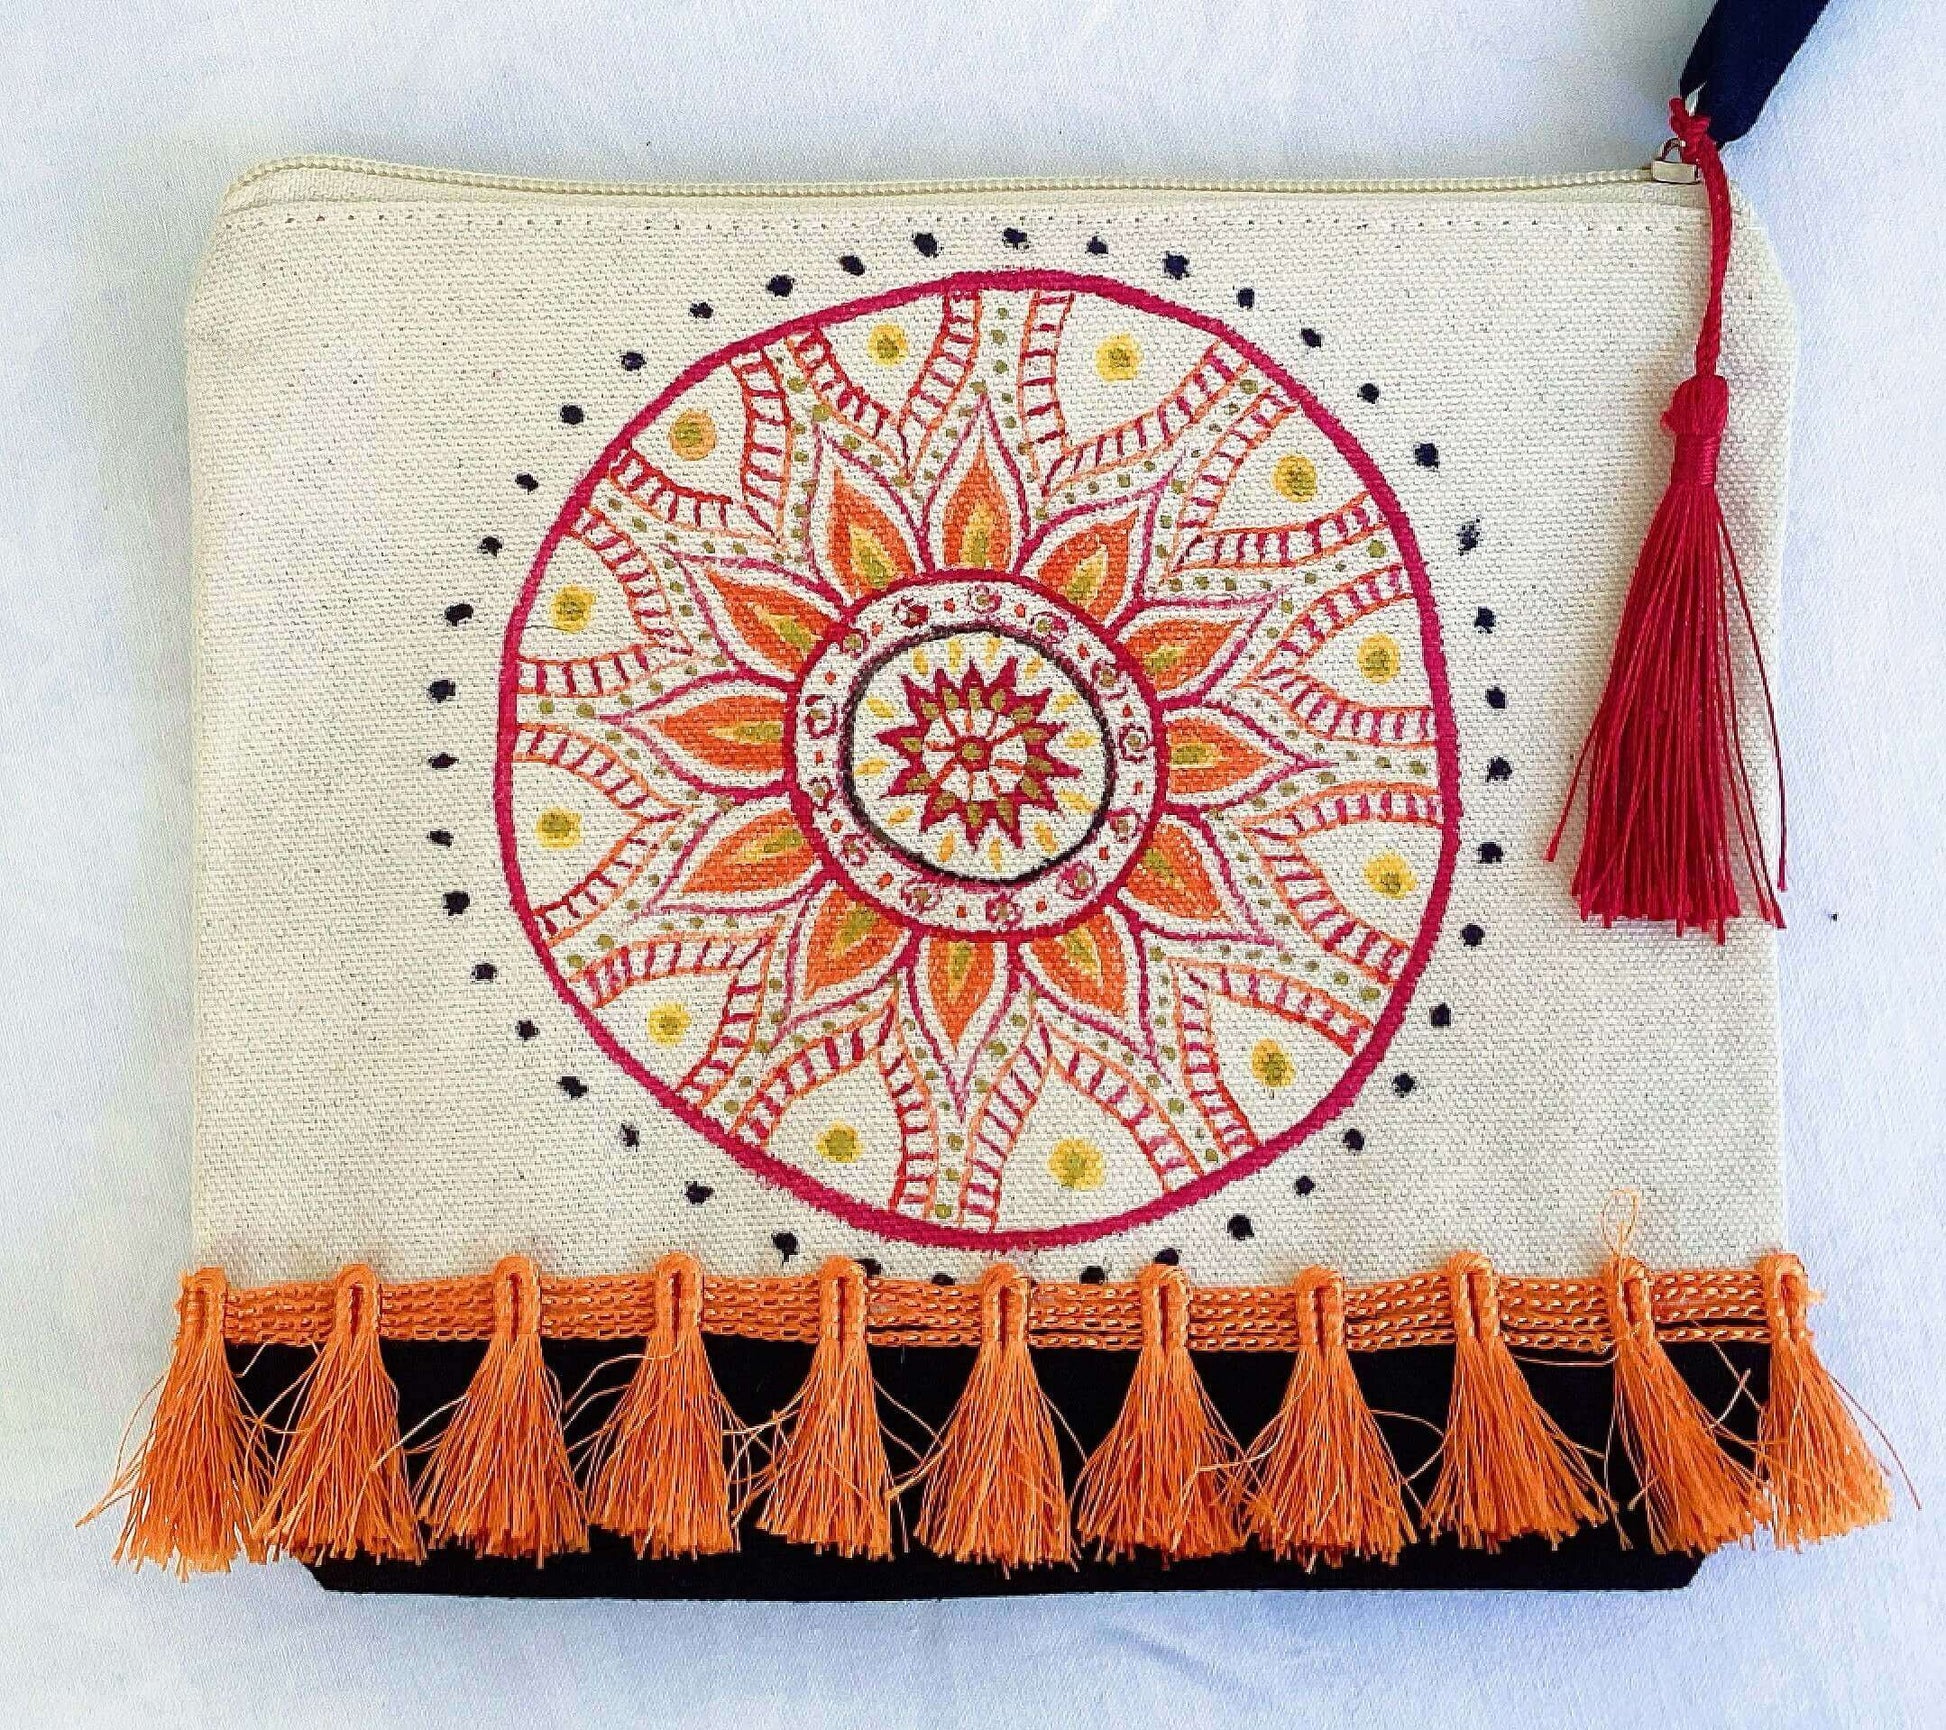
(846,939)
(979,523)
(1088,965)
(1170,875)
(776,625)
(959,976)
(1205,756)
(863,544)
(741,734)
(1176,649)
(769,853)
(1089,570)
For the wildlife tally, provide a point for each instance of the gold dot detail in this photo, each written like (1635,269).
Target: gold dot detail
(1378,658)
(1270,1063)
(1296,477)
(558,828)
(1390,876)
(840,1144)
(1077,1164)
(572,607)
(668,1022)
(888,344)
(692,435)
(1119,358)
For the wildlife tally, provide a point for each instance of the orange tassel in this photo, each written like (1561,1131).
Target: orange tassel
(1168,1475)
(340,1487)
(993,1479)
(658,1474)
(499,1479)
(1327,1486)
(1698,1498)
(1507,1470)
(1818,1475)
(195,1486)
(828,1481)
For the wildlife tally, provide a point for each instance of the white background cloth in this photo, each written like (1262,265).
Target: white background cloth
(120,127)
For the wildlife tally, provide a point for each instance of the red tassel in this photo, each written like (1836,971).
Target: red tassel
(340,1488)
(993,1479)
(1671,821)
(1819,1477)
(194,1489)
(658,1474)
(500,1480)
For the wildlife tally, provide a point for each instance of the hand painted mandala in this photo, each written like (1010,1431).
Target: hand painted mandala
(982,756)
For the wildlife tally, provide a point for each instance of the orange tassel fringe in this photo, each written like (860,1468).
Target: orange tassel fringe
(500,1480)
(658,1475)
(1327,1486)
(1819,1477)
(1168,1475)
(1698,1498)
(340,1487)
(195,1487)
(1507,1471)
(993,1479)
(829,1484)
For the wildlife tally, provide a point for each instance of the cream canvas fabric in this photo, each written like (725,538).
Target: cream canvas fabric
(427,416)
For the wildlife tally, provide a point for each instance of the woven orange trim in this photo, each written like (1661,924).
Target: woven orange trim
(1550,1315)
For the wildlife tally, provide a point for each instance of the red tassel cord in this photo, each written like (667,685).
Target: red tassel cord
(1671,820)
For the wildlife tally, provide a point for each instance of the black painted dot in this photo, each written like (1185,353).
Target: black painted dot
(1483,619)
(852,265)
(1246,298)
(1442,1015)
(458,613)
(870,1266)
(1174,266)
(1014,237)
(1472,936)
(1096,247)
(1168,1257)
(526,1030)
(571,414)
(1305,1185)
(1092,1275)
(632,361)
(1496,698)
(441,689)
(457,901)
(1240,1227)
(630,1135)
(573,1086)
(441,760)
(490,545)
(942,1279)
(1499,769)
(1311,338)
(701,309)
(526,483)
(1491,853)
(1469,534)
(1355,1140)
(780,285)
(697,1193)
(1369,392)
(440,837)
(927,244)
(1402,1083)
(1426,455)
(785,1243)
(485,971)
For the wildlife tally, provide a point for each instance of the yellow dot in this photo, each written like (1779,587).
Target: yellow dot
(887,345)
(1119,358)
(840,1144)
(1378,658)
(668,1022)
(558,828)
(1296,477)
(1077,1164)
(1390,876)
(1271,1064)
(573,607)
(692,435)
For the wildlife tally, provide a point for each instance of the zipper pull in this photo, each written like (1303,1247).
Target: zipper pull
(1671,170)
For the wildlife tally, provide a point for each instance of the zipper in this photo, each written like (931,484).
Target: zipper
(603,189)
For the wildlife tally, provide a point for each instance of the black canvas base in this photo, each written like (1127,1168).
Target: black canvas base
(1407,1388)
